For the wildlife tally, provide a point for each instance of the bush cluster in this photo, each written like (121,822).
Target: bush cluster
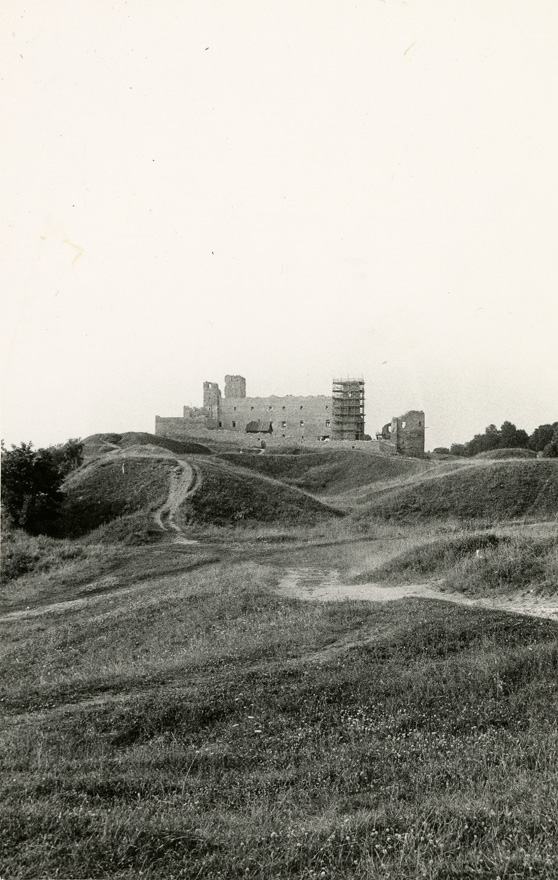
(32,481)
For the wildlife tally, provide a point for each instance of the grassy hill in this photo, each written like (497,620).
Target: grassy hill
(484,490)
(111,488)
(331,472)
(495,454)
(233,495)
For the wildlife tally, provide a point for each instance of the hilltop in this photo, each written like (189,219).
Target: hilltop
(97,444)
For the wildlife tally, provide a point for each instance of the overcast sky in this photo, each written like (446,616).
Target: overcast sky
(285,190)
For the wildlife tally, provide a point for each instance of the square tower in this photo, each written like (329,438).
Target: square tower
(235,386)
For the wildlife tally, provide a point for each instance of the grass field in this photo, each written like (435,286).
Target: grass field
(210,728)
(168,712)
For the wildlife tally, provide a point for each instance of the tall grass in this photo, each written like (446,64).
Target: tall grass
(213,729)
(510,567)
(481,563)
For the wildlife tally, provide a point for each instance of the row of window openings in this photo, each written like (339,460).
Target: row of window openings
(270,407)
(283,424)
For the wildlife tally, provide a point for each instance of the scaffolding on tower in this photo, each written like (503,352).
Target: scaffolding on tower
(347,416)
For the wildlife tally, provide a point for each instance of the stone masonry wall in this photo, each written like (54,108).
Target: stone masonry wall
(298,418)
(407,433)
(178,429)
(235,386)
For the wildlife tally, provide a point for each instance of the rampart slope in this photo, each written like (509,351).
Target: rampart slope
(486,489)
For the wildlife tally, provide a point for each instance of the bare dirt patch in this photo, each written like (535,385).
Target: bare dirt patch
(312,584)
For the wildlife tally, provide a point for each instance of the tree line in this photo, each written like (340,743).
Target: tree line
(543,440)
(32,483)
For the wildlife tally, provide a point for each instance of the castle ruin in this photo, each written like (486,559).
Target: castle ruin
(405,433)
(338,418)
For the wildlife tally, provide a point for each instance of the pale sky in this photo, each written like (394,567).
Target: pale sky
(284,189)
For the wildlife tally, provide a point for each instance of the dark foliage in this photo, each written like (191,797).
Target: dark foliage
(544,439)
(31,483)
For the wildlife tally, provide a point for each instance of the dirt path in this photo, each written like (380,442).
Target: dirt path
(185,479)
(311,583)
(328,586)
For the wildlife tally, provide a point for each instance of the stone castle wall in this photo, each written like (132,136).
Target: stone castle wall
(302,419)
(296,418)
(180,429)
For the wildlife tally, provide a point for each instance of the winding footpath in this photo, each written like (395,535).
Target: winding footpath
(185,480)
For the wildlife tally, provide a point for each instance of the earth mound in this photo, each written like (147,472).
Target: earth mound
(495,454)
(483,490)
(329,473)
(110,488)
(232,495)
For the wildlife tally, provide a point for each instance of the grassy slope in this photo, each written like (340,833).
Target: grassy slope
(234,735)
(233,495)
(331,472)
(499,490)
(112,488)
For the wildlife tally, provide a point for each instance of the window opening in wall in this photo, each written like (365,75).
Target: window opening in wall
(220,424)
(328,423)
(283,407)
(234,424)
(302,407)
(251,407)
(301,422)
(234,407)
(420,424)
(283,425)
(270,407)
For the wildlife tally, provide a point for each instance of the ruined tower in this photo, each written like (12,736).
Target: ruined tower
(211,402)
(235,386)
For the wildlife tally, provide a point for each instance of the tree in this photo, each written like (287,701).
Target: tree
(512,437)
(458,449)
(31,483)
(483,442)
(68,456)
(542,436)
(551,448)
